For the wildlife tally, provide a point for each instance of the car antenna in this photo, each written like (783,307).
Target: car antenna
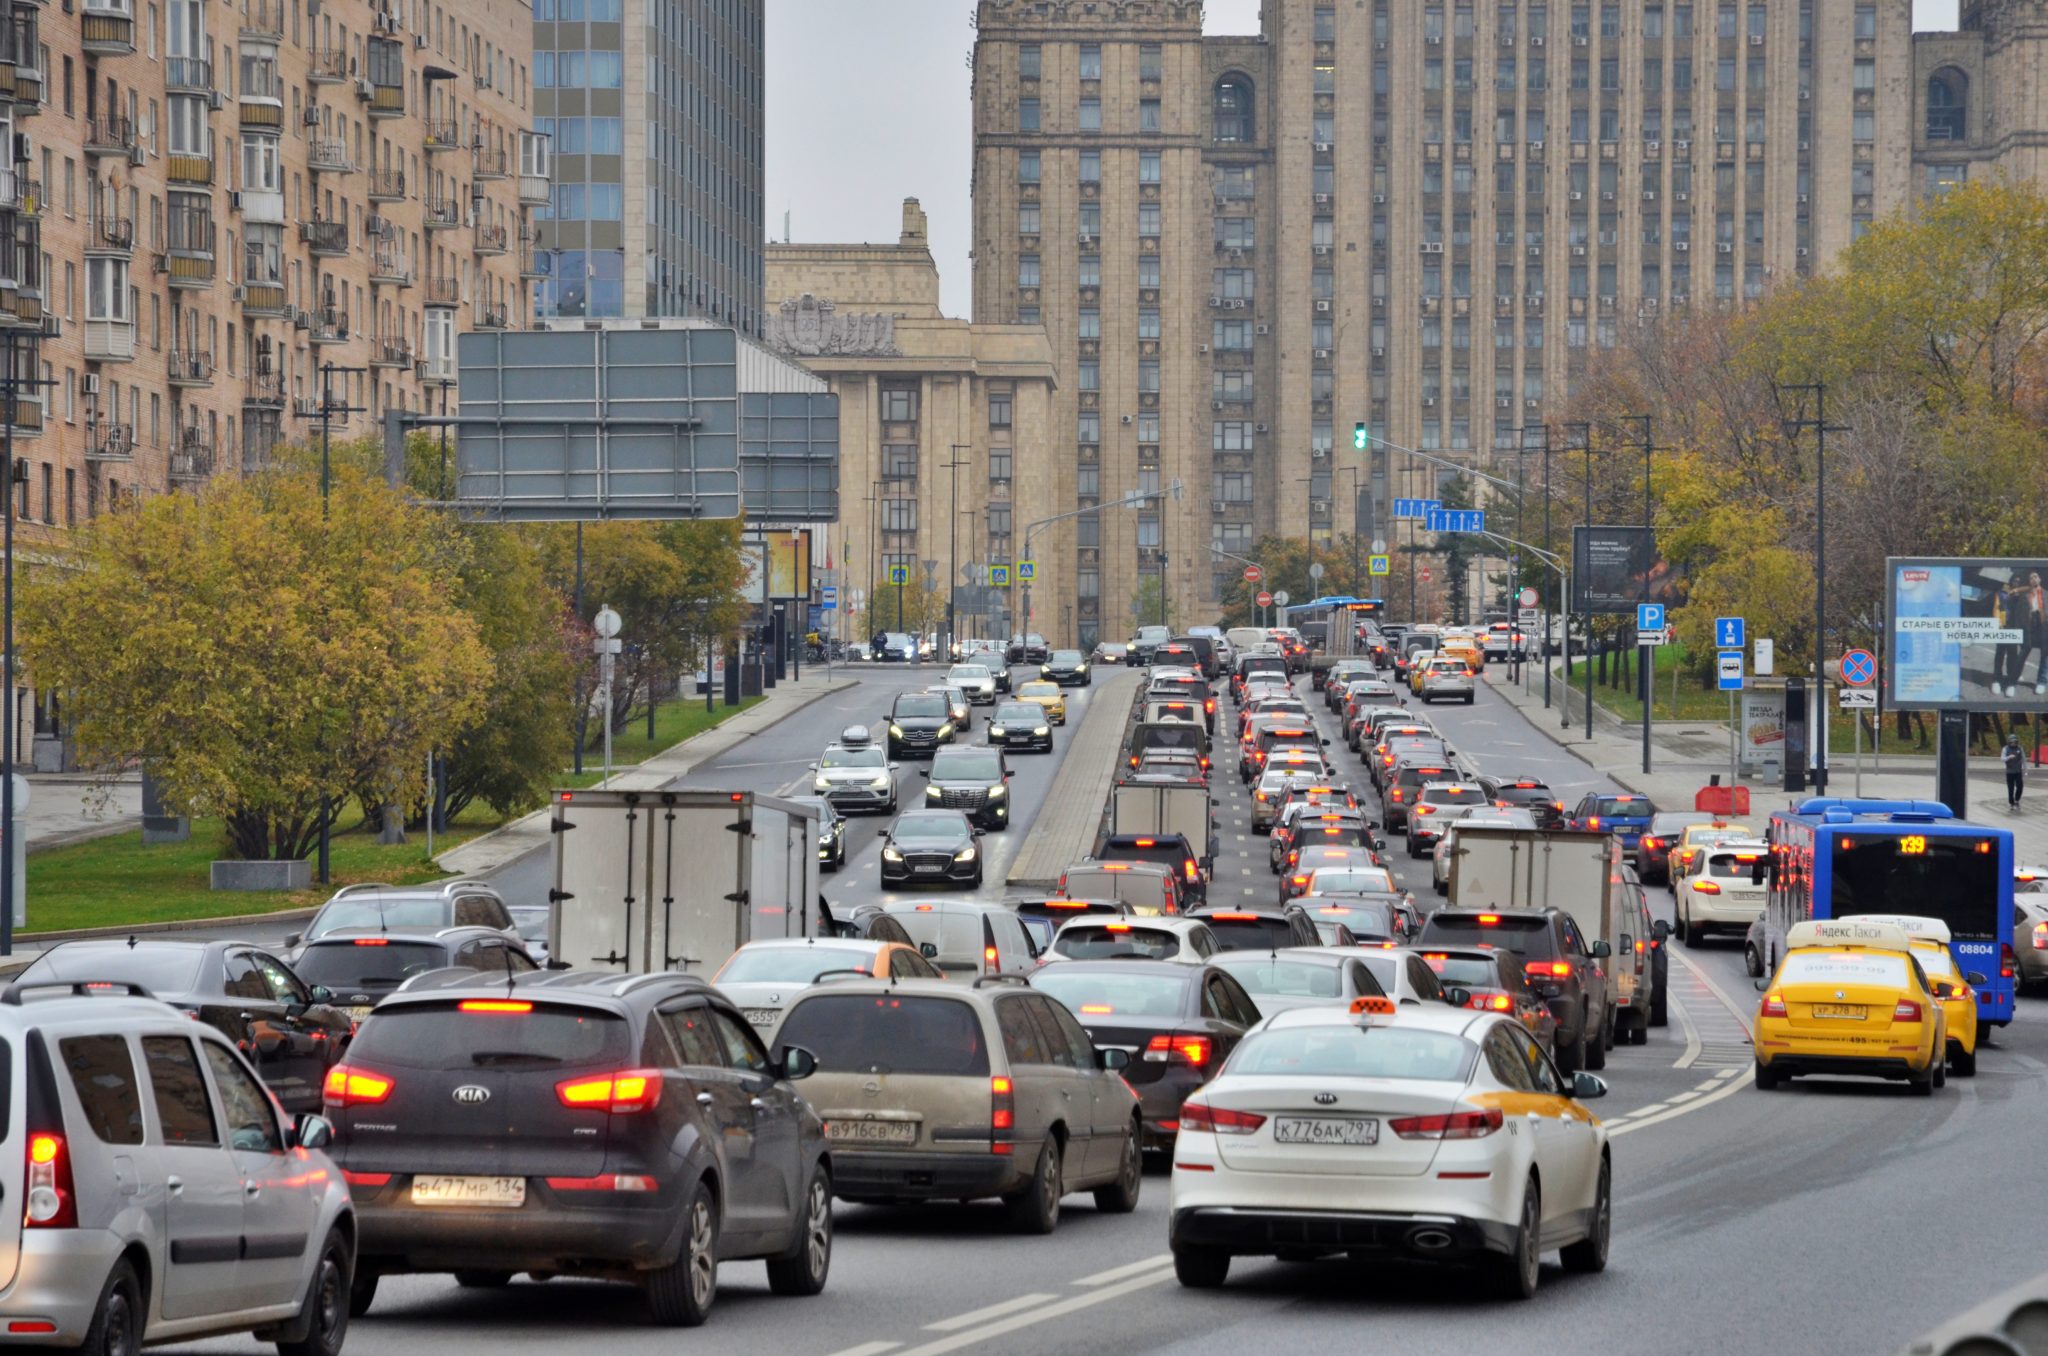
(131,941)
(506,952)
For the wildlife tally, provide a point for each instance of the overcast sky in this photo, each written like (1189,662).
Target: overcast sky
(865,111)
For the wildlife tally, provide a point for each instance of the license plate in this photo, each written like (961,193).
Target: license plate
(928,870)
(763,1016)
(498,1192)
(871,1132)
(358,1011)
(1325,1130)
(1851,1011)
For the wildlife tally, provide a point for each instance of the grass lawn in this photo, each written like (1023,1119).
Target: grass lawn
(1695,704)
(674,721)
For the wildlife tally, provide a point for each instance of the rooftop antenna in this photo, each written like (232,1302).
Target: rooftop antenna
(785,226)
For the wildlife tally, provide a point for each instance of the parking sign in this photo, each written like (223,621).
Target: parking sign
(1649,616)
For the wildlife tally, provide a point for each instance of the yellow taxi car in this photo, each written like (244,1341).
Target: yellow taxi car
(1930,939)
(1046,694)
(1849,998)
(1467,649)
(1686,849)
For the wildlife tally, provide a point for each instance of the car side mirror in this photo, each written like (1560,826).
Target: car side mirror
(555,964)
(1007,775)
(1457,997)
(1601,950)
(925,773)
(1324,742)
(1586,1087)
(895,767)
(322,994)
(294,938)
(1976,977)
(1112,1060)
(928,950)
(797,1063)
(312,1131)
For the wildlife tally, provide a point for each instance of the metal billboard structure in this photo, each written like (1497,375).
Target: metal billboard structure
(1966,633)
(636,420)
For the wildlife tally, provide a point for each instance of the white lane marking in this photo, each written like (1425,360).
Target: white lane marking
(1678,1098)
(869,1349)
(1740,1012)
(1692,1035)
(1130,1269)
(1728,1085)
(993,1311)
(1018,1322)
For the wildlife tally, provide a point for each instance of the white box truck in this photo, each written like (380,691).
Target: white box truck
(646,881)
(1142,805)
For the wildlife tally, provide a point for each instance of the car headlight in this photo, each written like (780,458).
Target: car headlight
(821,785)
(1042,730)
(965,854)
(881,783)
(896,730)
(933,791)
(996,732)
(998,792)
(1082,669)
(890,854)
(946,729)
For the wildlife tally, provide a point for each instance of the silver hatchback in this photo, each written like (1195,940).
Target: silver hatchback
(164,1196)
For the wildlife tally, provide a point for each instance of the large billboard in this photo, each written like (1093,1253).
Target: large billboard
(1610,566)
(1966,633)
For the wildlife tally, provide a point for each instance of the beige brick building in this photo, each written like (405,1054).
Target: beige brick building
(208,201)
(919,391)
(1425,215)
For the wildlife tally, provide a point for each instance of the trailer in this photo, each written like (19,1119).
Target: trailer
(647,881)
(1163,806)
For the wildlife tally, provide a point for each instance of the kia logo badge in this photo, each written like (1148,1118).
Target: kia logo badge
(470,1094)
(1326,1099)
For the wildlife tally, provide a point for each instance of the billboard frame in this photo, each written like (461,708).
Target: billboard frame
(1910,680)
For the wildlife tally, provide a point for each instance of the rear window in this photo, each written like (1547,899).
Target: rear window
(1734,865)
(1098,994)
(173,970)
(1340,880)
(371,913)
(368,962)
(792,964)
(1844,967)
(103,1075)
(1115,941)
(1470,971)
(1373,920)
(1167,852)
(901,1034)
(1351,1052)
(1624,807)
(1522,936)
(442,1036)
(1251,932)
(1171,736)
(1264,976)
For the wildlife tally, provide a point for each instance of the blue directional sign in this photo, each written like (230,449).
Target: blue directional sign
(1455,520)
(1415,508)
(1649,616)
(1730,633)
(1729,670)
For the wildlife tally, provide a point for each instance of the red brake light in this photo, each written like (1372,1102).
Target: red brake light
(2006,960)
(1650,842)
(373,941)
(1147,842)
(512,1006)
(1194,1050)
(1002,1115)
(1705,887)
(619,1093)
(1593,823)
(1773,1006)
(1906,1010)
(1190,865)
(1456,1125)
(2041,936)
(52,1201)
(1218,1120)
(1548,969)
(1488,919)
(351,1085)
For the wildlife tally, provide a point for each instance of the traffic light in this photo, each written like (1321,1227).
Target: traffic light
(1361,436)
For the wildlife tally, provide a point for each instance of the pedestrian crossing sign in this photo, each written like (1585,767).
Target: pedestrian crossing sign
(999,576)
(1027,570)
(899,574)
(1377,565)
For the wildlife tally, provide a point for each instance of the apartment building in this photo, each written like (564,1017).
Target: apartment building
(1423,215)
(655,109)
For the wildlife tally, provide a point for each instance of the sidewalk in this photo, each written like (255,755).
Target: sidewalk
(521,836)
(1684,754)
(72,807)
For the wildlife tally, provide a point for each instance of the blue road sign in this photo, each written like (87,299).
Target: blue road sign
(1859,668)
(899,574)
(1455,520)
(999,576)
(828,599)
(1415,508)
(1027,570)
(1649,616)
(1729,670)
(1730,633)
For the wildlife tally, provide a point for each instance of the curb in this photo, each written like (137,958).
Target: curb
(85,835)
(165,925)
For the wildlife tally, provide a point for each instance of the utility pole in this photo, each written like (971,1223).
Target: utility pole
(1579,438)
(328,409)
(953,546)
(12,381)
(1817,707)
(1646,668)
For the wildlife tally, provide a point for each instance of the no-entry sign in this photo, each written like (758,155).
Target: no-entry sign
(1264,599)
(1253,574)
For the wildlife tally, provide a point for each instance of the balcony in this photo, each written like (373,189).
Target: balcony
(326,239)
(110,442)
(264,391)
(110,134)
(490,239)
(329,155)
(263,20)
(443,134)
(21,195)
(493,318)
(330,326)
(388,265)
(437,370)
(534,262)
(28,310)
(191,369)
(111,235)
(264,299)
(443,214)
(188,75)
(391,353)
(187,270)
(490,164)
(192,170)
(193,458)
(387,185)
(28,416)
(109,341)
(387,101)
(535,190)
(328,67)
(107,31)
(444,292)
(262,431)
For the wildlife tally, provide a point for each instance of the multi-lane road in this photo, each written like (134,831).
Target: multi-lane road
(1832,1218)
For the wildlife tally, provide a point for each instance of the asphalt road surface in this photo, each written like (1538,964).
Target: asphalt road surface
(1830,1218)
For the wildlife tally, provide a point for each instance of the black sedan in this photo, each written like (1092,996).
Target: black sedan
(1020,725)
(831,833)
(290,1030)
(1068,668)
(918,723)
(931,847)
(1178,1023)
(360,966)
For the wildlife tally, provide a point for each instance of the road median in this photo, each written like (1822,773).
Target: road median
(1066,829)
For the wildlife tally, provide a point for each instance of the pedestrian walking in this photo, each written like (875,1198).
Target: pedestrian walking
(2015,771)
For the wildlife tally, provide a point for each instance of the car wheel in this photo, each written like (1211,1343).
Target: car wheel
(1516,1275)
(1567,1055)
(977,878)
(1751,961)
(680,1294)
(362,1292)
(325,1310)
(803,1269)
(1120,1197)
(1963,1062)
(117,1326)
(1036,1209)
(1470,697)
(1201,1268)
(1596,1045)
(483,1280)
(1767,1080)
(1660,1011)
(1923,1085)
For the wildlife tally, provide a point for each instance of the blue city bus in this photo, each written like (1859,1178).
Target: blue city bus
(1837,858)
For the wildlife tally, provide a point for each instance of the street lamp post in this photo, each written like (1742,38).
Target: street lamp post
(1817,704)
(328,409)
(11,382)
(953,546)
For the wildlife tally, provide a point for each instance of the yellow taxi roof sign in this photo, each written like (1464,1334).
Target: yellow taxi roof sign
(1373,1010)
(1915,927)
(1864,932)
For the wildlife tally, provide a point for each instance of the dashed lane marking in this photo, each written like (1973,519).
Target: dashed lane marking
(993,1311)
(1031,1318)
(1130,1269)
(869,1349)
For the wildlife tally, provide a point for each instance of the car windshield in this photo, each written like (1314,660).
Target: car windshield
(1115,941)
(967,673)
(853,758)
(1264,976)
(442,1036)
(1095,993)
(923,704)
(1363,919)
(943,828)
(368,962)
(159,970)
(1020,713)
(1347,1051)
(375,913)
(967,765)
(1844,967)
(1935,960)
(1351,880)
(1039,690)
(888,1033)
(792,964)
(1470,971)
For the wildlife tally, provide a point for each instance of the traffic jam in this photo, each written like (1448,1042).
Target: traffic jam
(694,1061)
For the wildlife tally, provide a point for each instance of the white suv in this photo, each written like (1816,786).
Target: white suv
(162,1194)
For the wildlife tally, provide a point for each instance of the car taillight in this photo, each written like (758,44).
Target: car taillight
(1218,1120)
(512,1007)
(988,959)
(373,941)
(1548,969)
(1706,887)
(1193,1050)
(1210,706)
(1652,843)
(2040,937)
(1425,809)
(1906,1010)
(52,1203)
(1455,1125)
(2007,961)
(619,1093)
(351,1085)
(1002,1114)
(1490,1002)
(1773,1006)
(1594,823)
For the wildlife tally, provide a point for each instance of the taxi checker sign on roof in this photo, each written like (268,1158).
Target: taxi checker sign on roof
(1846,932)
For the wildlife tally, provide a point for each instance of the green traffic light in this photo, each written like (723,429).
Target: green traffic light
(1361,437)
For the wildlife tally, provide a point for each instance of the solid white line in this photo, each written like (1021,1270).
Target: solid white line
(869,1349)
(1728,1086)
(1692,1033)
(1017,1322)
(968,1320)
(1132,1269)
(1742,1014)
